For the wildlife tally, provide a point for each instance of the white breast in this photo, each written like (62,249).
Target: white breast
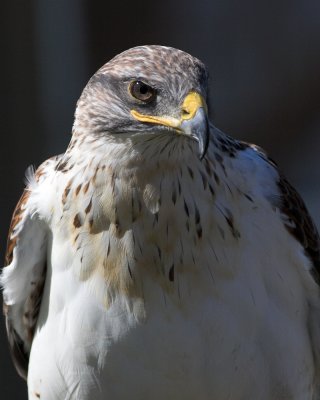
(151,309)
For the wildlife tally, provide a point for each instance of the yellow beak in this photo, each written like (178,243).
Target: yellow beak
(192,102)
(193,121)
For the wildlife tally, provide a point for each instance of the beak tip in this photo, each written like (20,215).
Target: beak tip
(204,142)
(198,129)
(203,151)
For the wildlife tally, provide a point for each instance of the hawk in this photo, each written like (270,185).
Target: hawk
(159,258)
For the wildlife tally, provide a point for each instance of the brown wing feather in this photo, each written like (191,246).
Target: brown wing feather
(26,314)
(16,345)
(300,224)
(16,218)
(27,232)
(19,356)
(298,221)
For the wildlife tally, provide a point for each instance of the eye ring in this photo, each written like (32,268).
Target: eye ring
(142,91)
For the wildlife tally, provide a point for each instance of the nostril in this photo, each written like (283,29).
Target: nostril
(185,112)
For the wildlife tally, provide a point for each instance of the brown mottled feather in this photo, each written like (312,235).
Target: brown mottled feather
(32,304)
(19,356)
(16,218)
(16,345)
(300,224)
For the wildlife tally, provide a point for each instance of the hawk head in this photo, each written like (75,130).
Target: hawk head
(147,90)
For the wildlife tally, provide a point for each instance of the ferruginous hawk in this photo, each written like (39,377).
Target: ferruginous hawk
(158,258)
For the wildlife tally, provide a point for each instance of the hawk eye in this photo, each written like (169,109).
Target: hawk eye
(141,91)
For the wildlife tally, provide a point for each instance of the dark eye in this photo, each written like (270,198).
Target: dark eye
(141,91)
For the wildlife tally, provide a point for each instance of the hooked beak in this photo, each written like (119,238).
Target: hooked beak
(192,123)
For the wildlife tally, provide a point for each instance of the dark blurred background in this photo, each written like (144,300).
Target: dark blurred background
(263,56)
